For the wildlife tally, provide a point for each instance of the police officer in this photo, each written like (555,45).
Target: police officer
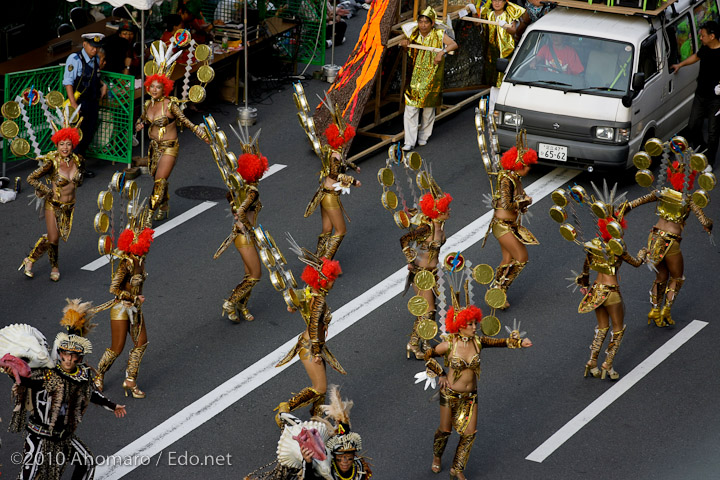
(83,86)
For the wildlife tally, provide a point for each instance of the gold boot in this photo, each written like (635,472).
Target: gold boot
(677,284)
(322,244)
(306,396)
(159,198)
(656,300)
(130,383)
(316,409)
(41,246)
(607,366)
(595,346)
(239,298)
(333,243)
(53,257)
(439,443)
(462,453)
(106,361)
(413,346)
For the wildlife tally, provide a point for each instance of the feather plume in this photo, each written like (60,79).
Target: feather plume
(77,315)
(338,409)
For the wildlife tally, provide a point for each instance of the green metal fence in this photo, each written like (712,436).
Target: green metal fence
(312,14)
(113,138)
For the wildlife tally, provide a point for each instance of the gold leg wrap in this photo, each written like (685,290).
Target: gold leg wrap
(39,249)
(322,244)
(239,299)
(305,397)
(333,243)
(159,197)
(595,347)
(666,319)
(607,367)
(413,346)
(316,410)
(512,273)
(106,361)
(53,254)
(657,297)
(440,442)
(131,374)
(463,452)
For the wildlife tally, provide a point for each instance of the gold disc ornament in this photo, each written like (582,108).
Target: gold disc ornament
(644,178)
(424,280)
(105,245)
(389,200)
(558,214)
(417,306)
(266,257)
(10,110)
(386,177)
(130,190)
(654,147)
(707,181)
(454,262)
(205,73)
(9,129)
(401,219)
(423,181)
(277,280)
(202,53)
(642,160)
(291,298)
(600,210)
(490,325)
(414,161)
(54,99)
(105,200)
(698,161)
(150,69)
(495,298)
(483,274)
(559,198)
(579,194)
(197,94)
(101,222)
(614,229)
(568,232)
(20,147)
(30,96)
(427,329)
(616,246)
(679,144)
(701,198)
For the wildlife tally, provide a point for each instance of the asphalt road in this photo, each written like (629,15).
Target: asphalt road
(210,383)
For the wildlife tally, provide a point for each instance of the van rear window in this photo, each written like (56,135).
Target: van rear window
(572,63)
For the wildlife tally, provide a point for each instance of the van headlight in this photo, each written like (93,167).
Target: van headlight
(511,119)
(605,133)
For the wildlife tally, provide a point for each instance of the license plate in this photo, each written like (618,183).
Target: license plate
(552,152)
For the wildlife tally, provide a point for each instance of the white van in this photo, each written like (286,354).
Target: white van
(597,115)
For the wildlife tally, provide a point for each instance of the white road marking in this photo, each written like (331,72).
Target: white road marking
(213,403)
(179,220)
(622,386)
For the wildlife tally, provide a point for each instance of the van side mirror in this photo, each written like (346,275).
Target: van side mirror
(501,64)
(638,81)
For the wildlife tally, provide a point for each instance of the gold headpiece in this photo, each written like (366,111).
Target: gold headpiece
(430,13)
(164,58)
(76,319)
(66,117)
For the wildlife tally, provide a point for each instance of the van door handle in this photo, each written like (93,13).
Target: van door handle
(670,87)
(637,111)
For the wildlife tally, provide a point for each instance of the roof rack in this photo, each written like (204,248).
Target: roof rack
(659,5)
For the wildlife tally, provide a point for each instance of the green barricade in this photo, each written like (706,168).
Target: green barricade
(113,138)
(312,35)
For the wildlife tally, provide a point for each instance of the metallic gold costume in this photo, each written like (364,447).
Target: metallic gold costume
(63,211)
(426,82)
(509,195)
(423,237)
(602,260)
(160,147)
(674,207)
(462,404)
(501,43)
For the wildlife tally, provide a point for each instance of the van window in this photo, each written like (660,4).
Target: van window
(648,63)
(704,12)
(682,43)
(572,63)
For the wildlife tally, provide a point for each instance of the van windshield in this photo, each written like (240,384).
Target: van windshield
(572,63)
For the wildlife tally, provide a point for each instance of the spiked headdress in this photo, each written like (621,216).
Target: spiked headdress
(319,271)
(69,125)
(76,319)
(337,133)
(252,165)
(520,155)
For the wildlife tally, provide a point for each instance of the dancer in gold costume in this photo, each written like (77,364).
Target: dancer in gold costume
(162,112)
(461,349)
(62,169)
(509,202)
(126,315)
(663,249)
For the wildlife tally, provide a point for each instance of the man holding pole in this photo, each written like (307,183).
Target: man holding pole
(424,90)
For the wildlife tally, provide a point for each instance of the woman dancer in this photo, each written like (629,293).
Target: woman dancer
(604,298)
(251,167)
(62,168)
(663,248)
(458,387)
(126,315)
(510,201)
(162,112)
(320,275)
(333,182)
(428,237)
